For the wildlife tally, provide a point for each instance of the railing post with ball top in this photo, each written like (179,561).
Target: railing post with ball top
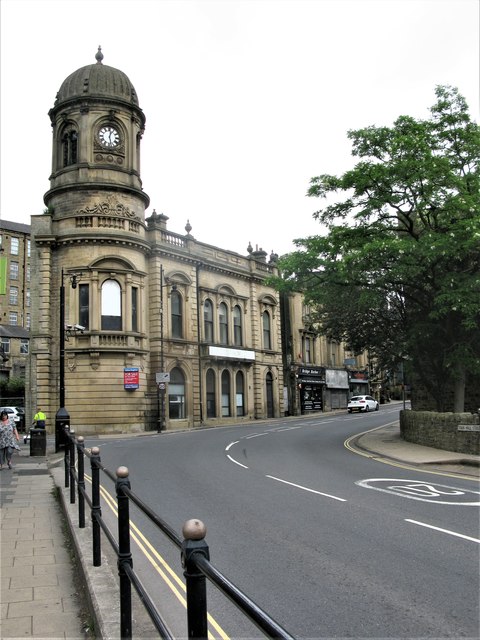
(71,448)
(124,554)
(81,482)
(96,510)
(194,544)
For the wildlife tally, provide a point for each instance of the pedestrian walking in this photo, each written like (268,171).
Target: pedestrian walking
(8,439)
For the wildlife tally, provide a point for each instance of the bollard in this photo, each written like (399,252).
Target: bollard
(194,543)
(124,554)
(96,510)
(81,481)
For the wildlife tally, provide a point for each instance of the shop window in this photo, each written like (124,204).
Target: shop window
(223,323)
(267,333)
(177,316)
(208,320)
(225,394)
(237,327)
(239,394)
(211,395)
(111,306)
(176,395)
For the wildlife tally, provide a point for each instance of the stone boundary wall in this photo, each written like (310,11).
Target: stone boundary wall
(449,431)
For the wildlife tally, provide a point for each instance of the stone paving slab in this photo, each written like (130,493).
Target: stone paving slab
(38,593)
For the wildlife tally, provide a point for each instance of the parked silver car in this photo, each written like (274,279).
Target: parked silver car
(12,411)
(362,403)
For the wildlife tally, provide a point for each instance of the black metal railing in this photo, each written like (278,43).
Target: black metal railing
(194,551)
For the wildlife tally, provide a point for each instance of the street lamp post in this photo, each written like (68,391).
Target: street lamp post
(62,417)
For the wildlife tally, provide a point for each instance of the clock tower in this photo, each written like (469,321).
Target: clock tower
(90,247)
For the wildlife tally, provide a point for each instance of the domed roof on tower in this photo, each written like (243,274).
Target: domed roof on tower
(97,81)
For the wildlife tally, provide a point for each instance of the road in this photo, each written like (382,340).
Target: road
(329,543)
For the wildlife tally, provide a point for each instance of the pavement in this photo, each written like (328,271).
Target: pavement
(49,588)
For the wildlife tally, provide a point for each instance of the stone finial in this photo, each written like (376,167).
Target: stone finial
(249,248)
(99,55)
(188,227)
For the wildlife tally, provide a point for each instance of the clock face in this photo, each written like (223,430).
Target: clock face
(109,137)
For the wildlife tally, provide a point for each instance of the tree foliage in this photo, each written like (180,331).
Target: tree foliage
(398,271)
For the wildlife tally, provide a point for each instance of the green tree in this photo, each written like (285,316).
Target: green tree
(398,270)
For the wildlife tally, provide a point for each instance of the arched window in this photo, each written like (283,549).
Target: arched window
(267,333)
(225,393)
(211,395)
(176,395)
(70,147)
(239,394)
(177,316)
(208,320)
(111,306)
(237,327)
(223,323)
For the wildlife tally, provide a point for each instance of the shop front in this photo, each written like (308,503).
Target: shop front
(310,384)
(336,389)
(358,383)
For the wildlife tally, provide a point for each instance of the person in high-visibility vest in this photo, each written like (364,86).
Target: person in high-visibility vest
(39,419)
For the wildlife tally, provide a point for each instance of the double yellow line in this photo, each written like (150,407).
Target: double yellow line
(168,575)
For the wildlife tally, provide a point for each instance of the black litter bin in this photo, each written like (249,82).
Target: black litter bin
(38,442)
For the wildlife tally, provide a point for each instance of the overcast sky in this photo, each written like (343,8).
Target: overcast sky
(245,100)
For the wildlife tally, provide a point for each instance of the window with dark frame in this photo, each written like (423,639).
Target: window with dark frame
(237,327)
(208,320)
(176,314)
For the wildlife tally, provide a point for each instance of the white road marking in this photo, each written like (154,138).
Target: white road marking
(255,435)
(231,445)
(450,533)
(425,492)
(299,486)
(239,463)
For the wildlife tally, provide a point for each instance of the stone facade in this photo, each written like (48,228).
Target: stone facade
(139,301)
(141,328)
(319,374)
